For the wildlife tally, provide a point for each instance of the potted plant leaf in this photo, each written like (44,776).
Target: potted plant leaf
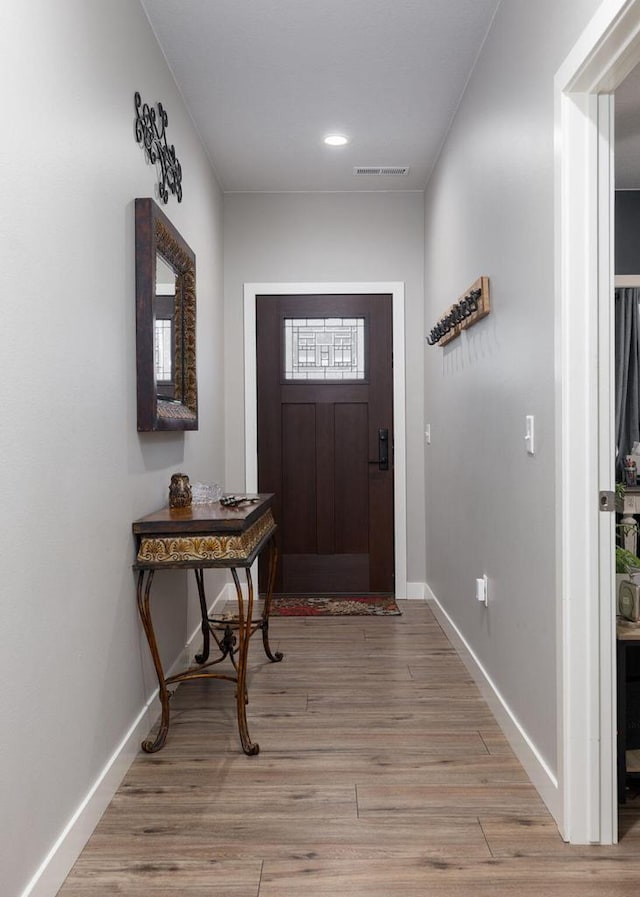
(627,563)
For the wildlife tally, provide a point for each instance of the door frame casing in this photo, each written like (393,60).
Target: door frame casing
(607,50)
(396,290)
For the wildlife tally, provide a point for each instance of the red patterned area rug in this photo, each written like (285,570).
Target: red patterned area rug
(334,606)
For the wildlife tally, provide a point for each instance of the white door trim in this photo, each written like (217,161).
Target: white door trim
(606,52)
(396,289)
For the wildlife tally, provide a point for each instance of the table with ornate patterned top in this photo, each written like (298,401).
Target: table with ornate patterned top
(195,538)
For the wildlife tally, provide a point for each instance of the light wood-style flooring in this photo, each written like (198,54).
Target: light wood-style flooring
(381,773)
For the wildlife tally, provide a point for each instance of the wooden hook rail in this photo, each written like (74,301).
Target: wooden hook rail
(470,308)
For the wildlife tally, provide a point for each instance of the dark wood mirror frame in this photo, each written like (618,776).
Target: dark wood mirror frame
(156,235)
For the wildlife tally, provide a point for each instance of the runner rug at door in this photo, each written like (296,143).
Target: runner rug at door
(334,606)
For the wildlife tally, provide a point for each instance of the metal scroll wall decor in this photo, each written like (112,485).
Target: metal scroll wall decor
(151,131)
(471,307)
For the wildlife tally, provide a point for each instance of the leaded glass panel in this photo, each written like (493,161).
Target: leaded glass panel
(324,349)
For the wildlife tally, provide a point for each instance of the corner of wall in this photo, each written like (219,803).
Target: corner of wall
(416,590)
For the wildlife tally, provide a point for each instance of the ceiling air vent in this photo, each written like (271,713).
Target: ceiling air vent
(381,169)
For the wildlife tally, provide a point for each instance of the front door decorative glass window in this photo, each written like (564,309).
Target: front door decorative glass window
(324,348)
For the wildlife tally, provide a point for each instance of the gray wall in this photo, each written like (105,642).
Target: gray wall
(490,508)
(305,237)
(75,473)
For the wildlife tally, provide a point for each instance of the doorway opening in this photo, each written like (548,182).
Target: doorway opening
(627,427)
(396,291)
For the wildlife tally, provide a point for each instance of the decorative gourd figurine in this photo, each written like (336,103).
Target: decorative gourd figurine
(179,491)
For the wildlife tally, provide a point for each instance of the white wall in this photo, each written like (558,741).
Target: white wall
(75,473)
(329,237)
(490,507)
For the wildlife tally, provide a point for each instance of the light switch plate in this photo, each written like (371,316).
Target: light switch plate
(482,590)
(529,434)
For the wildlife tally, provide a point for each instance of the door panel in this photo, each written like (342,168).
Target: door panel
(351,479)
(325,478)
(298,479)
(318,439)
(335,573)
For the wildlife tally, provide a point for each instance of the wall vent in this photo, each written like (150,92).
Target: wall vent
(381,169)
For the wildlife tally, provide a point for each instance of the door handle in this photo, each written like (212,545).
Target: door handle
(383,449)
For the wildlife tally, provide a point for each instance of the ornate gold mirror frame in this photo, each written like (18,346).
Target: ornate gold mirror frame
(157,237)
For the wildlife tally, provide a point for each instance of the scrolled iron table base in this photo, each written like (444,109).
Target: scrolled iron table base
(232,539)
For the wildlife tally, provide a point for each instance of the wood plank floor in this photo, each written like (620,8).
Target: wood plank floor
(381,774)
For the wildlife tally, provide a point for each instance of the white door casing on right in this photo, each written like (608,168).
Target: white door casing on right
(603,56)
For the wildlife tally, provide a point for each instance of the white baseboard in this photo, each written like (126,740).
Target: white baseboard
(229,592)
(415,590)
(194,642)
(55,867)
(542,778)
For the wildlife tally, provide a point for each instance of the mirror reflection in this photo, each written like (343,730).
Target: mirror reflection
(164,338)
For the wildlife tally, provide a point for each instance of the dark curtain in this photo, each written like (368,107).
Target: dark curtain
(627,373)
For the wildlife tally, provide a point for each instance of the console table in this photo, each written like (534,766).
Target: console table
(196,538)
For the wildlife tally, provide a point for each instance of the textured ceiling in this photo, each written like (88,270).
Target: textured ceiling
(265,80)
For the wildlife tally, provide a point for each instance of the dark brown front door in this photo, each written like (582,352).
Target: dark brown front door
(325,439)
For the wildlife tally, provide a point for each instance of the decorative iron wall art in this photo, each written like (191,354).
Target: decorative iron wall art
(470,308)
(151,132)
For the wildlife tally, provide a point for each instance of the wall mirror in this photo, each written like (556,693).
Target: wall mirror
(165,323)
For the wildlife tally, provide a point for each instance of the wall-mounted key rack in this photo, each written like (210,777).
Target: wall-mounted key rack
(470,308)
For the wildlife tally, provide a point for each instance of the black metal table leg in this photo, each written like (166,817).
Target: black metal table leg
(206,635)
(264,623)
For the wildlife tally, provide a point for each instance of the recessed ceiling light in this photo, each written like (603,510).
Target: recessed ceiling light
(336,140)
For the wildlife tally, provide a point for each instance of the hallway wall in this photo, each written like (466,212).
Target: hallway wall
(490,507)
(75,473)
(329,237)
